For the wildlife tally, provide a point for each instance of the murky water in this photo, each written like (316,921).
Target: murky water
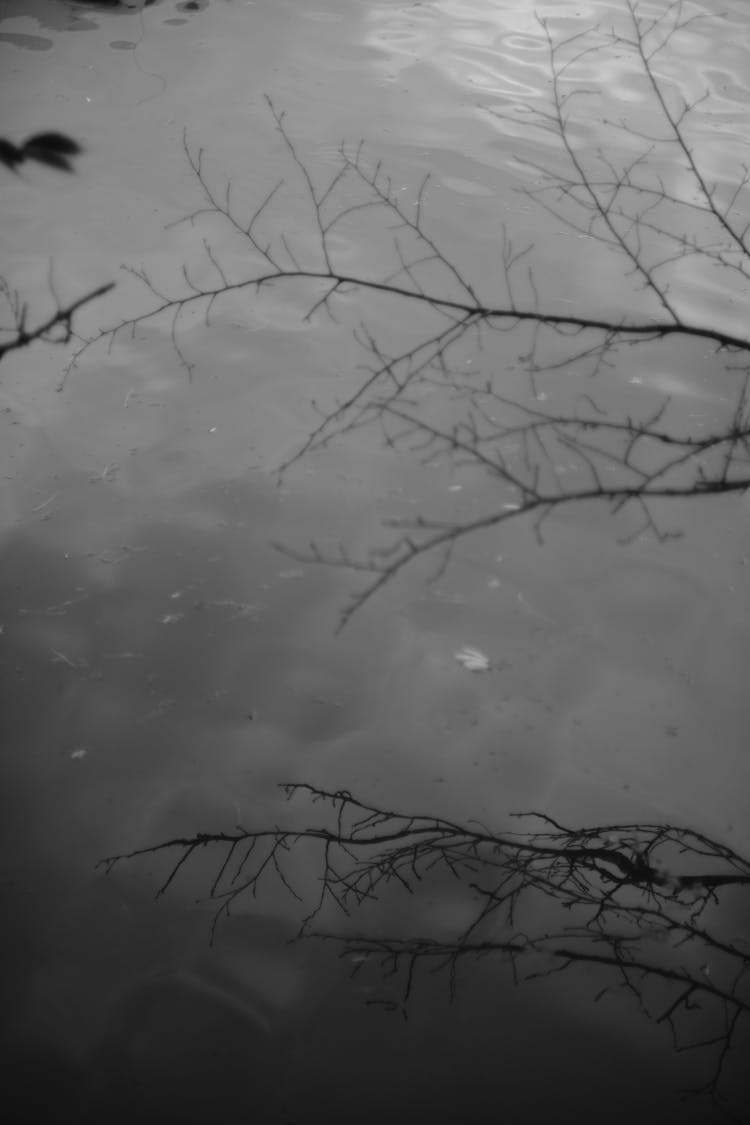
(164,668)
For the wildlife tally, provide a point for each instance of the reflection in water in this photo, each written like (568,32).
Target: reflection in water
(163,670)
(644,909)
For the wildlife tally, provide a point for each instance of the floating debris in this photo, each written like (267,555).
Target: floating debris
(473,659)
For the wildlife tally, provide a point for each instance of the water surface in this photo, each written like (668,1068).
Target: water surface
(164,668)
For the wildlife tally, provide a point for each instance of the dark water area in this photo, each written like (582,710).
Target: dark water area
(165,668)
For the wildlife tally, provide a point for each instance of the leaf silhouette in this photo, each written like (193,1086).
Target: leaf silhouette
(9,154)
(54,142)
(52,149)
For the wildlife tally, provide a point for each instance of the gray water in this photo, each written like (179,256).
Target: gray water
(164,668)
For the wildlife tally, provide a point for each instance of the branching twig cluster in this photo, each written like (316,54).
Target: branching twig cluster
(55,328)
(645,905)
(640,902)
(648,201)
(57,151)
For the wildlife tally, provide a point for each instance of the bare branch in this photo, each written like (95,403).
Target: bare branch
(548,442)
(640,903)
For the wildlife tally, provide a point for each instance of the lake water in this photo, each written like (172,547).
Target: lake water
(165,668)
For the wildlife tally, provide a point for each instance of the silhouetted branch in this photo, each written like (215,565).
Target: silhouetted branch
(56,328)
(56,150)
(585,444)
(640,902)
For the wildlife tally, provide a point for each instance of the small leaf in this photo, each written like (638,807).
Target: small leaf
(55,142)
(9,154)
(51,159)
(52,149)
(472,659)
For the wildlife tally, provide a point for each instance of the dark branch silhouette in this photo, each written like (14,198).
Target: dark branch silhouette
(56,150)
(643,903)
(56,328)
(650,908)
(547,441)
